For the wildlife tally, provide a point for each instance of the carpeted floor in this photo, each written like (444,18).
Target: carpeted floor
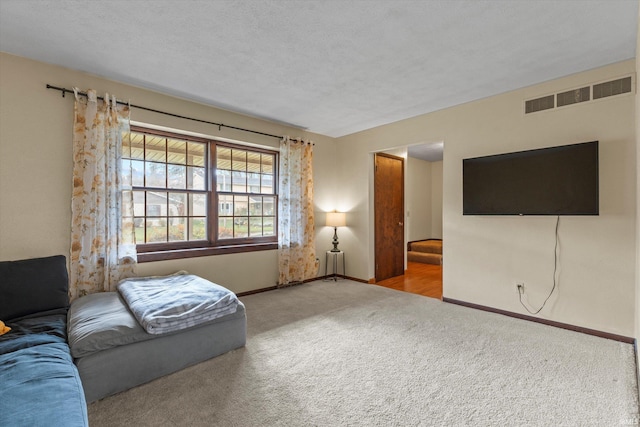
(351,354)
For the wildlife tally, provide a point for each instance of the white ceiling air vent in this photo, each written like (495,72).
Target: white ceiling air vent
(614,87)
(538,104)
(573,96)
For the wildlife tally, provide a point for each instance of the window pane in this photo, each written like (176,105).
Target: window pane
(253,180)
(137,146)
(177,229)
(156,175)
(269,205)
(239,160)
(225,205)
(267,184)
(195,153)
(225,228)
(197,228)
(267,163)
(223,180)
(138,203)
(177,176)
(156,230)
(255,206)
(177,151)
(196,178)
(138,224)
(177,204)
(255,226)
(240,205)
(268,228)
(197,205)
(223,158)
(156,204)
(239,182)
(240,227)
(137,173)
(253,162)
(155,148)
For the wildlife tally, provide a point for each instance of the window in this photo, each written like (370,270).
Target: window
(194,196)
(245,193)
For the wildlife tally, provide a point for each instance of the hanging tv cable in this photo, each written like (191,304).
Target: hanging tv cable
(555,270)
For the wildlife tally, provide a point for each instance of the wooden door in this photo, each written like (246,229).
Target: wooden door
(389,216)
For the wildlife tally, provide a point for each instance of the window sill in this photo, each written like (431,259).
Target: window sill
(198,252)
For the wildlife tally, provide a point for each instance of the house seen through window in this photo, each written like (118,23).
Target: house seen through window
(192,192)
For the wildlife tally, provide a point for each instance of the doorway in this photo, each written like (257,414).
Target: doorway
(424,223)
(388,216)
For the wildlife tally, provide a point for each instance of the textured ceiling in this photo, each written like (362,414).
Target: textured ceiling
(432,152)
(332,67)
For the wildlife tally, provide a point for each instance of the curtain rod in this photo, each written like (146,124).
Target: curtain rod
(220,125)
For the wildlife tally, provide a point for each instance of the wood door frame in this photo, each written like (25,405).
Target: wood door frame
(401,245)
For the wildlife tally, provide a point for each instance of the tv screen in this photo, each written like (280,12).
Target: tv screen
(549,181)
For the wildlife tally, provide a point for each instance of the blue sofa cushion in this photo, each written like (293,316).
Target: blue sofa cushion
(32,286)
(41,387)
(48,328)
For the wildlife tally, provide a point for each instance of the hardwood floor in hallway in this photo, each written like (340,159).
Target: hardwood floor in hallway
(419,278)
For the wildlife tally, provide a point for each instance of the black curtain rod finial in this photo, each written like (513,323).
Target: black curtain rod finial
(63,91)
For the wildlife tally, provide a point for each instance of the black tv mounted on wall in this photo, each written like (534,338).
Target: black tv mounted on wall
(549,181)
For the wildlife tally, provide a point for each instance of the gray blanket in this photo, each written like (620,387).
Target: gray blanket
(170,303)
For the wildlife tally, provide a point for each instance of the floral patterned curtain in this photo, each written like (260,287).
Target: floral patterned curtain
(102,235)
(296,227)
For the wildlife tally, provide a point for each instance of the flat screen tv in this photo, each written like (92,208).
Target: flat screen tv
(549,181)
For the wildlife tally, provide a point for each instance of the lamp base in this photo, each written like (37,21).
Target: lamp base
(335,240)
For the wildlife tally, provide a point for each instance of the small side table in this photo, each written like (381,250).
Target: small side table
(335,264)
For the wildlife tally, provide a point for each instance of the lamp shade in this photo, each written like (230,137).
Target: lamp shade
(336,219)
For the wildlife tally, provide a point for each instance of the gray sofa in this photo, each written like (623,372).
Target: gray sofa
(114,353)
(57,357)
(39,383)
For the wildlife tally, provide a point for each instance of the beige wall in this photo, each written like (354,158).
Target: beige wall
(418,199)
(436,200)
(423,199)
(35,167)
(485,256)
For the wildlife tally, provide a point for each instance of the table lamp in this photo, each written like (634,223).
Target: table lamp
(335,220)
